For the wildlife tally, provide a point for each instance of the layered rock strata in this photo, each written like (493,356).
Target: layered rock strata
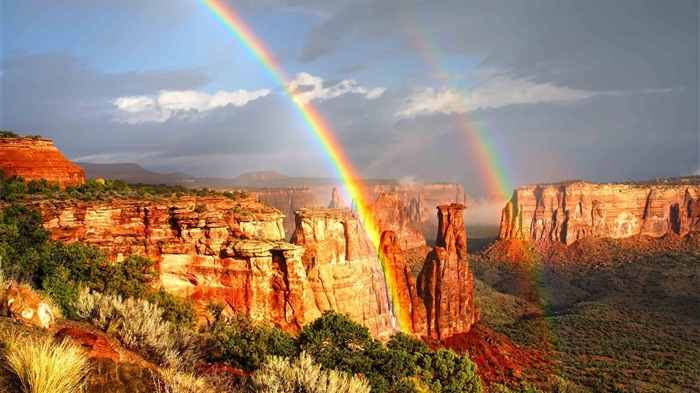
(445,284)
(206,248)
(391,215)
(34,159)
(569,211)
(342,267)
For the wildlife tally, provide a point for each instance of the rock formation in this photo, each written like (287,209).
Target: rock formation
(408,308)
(287,200)
(392,215)
(445,283)
(24,305)
(336,200)
(96,345)
(34,159)
(567,212)
(207,248)
(342,267)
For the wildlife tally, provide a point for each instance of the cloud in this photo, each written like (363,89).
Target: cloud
(307,88)
(168,104)
(494,92)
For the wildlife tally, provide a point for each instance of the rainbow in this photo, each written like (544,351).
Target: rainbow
(323,136)
(477,139)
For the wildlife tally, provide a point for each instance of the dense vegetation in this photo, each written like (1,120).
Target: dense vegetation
(14,188)
(404,364)
(62,269)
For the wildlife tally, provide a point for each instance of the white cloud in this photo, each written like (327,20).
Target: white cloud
(307,88)
(139,109)
(490,92)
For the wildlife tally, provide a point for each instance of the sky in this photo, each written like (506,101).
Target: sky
(457,91)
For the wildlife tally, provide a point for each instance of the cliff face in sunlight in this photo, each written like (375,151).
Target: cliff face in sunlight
(34,159)
(570,211)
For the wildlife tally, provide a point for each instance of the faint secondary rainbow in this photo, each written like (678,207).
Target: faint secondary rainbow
(478,139)
(321,132)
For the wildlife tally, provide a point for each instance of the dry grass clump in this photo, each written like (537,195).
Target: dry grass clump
(175,381)
(279,375)
(139,325)
(44,366)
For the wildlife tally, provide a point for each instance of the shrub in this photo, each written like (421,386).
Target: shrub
(44,366)
(176,310)
(279,375)
(248,344)
(139,325)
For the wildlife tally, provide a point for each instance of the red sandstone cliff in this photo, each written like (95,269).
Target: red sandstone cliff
(342,267)
(445,283)
(569,211)
(207,248)
(391,215)
(287,200)
(34,159)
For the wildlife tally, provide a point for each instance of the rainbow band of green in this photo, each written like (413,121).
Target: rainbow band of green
(320,130)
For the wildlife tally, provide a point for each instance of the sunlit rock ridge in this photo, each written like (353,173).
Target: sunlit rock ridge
(569,211)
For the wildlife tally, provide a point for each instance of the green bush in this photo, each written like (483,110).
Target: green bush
(247,344)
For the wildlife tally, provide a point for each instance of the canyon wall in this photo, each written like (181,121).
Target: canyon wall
(391,215)
(234,251)
(287,200)
(207,248)
(569,211)
(34,159)
(342,267)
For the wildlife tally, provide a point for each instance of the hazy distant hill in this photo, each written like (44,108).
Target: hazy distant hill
(133,173)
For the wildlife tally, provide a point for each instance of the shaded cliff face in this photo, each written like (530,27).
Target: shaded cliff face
(408,308)
(342,267)
(287,200)
(392,215)
(34,159)
(445,284)
(571,211)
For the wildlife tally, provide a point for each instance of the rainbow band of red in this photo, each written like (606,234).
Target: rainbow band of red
(320,130)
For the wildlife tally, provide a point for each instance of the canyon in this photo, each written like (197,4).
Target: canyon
(418,202)
(234,251)
(569,211)
(35,159)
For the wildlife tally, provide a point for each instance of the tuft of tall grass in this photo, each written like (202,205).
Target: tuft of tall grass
(44,366)
(280,375)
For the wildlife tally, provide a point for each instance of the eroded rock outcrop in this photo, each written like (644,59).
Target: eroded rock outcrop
(391,215)
(569,211)
(34,159)
(342,267)
(445,284)
(207,248)
(26,306)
